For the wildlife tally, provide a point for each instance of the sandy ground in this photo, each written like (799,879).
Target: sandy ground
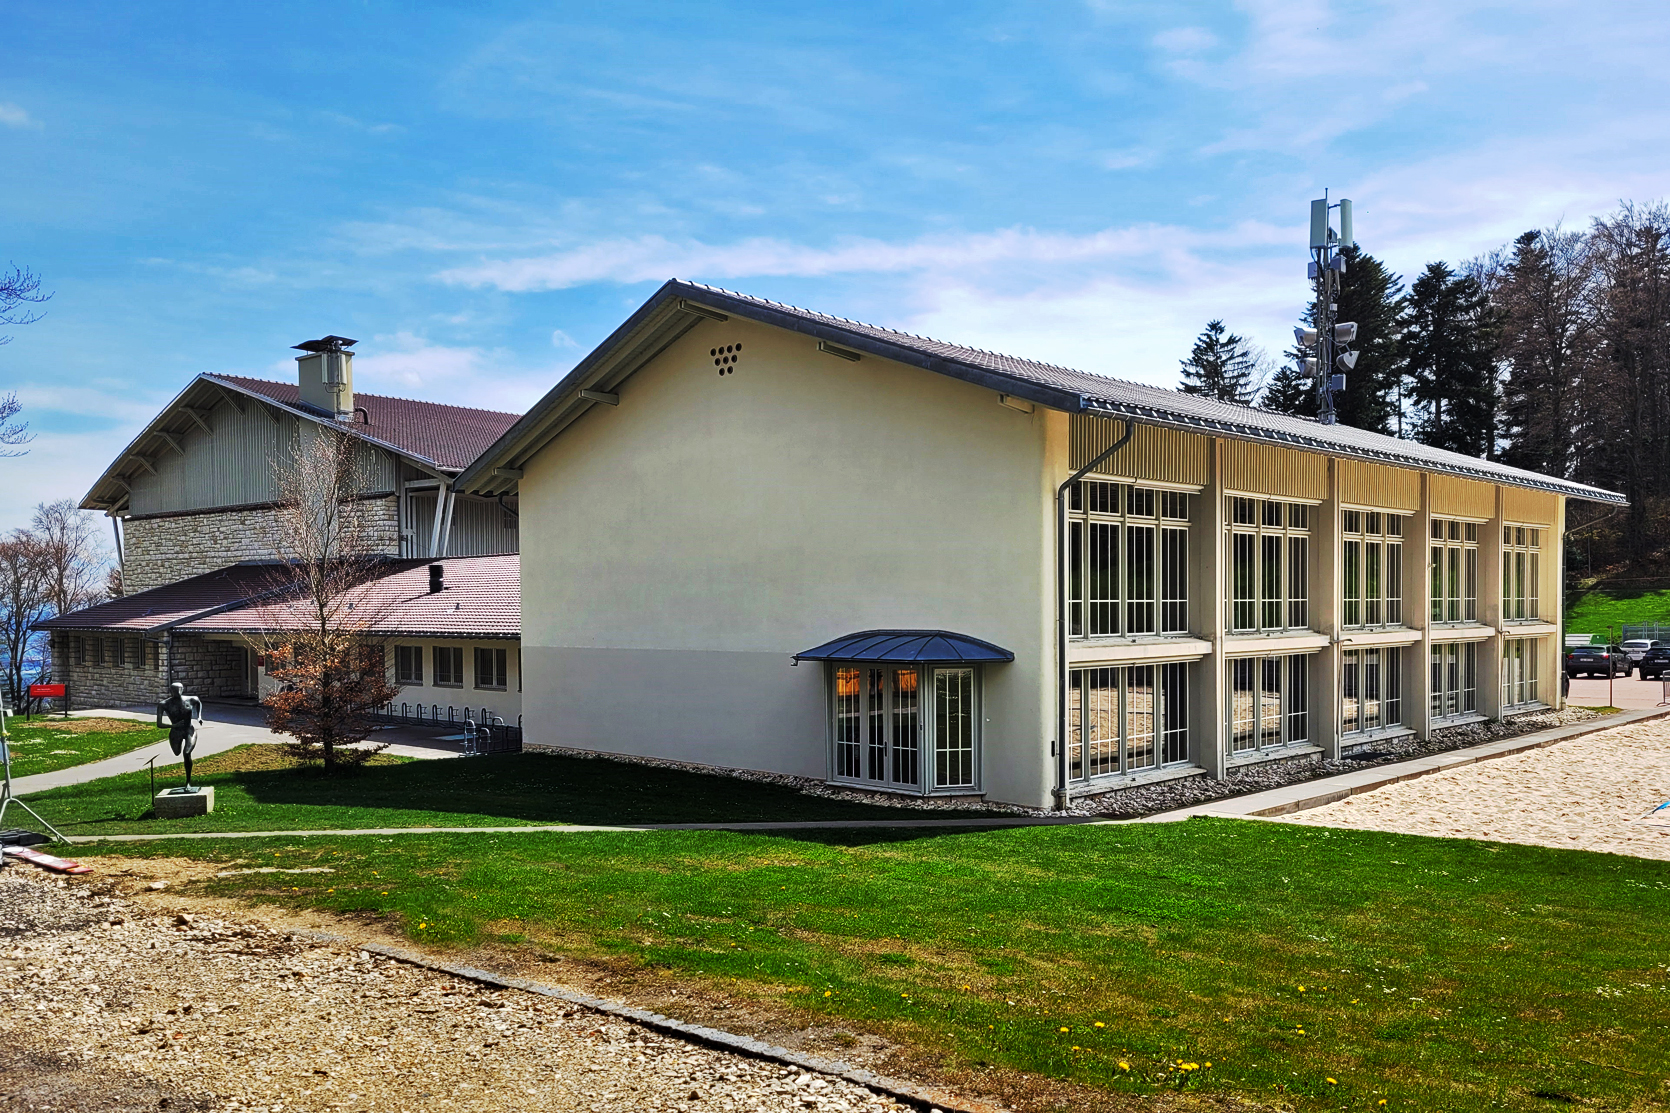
(1591,793)
(106,1005)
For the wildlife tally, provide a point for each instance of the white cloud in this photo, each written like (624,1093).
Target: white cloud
(406,365)
(16,116)
(561,339)
(653,258)
(1185,40)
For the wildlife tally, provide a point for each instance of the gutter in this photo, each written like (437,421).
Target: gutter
(1062,572)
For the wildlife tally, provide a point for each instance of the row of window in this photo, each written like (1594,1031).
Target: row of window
(491,666)
(1128,565)
(119,653)
(1126,719)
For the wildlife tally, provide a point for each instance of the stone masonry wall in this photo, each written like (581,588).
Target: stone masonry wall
(160,551)
(139,676)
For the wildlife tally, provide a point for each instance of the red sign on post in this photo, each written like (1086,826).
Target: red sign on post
(46,691)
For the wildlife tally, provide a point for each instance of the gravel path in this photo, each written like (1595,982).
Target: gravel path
(106,1006)
(1590,793)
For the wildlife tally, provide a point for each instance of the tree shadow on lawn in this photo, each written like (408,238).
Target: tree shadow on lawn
(553,788)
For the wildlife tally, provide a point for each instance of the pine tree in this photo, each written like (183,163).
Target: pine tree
(1221,365)
(1291,390)
(1450,335)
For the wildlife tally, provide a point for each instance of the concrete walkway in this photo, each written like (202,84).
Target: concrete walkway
(225,726)
(1314,794)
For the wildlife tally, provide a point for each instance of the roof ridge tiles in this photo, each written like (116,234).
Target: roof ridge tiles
(363,394)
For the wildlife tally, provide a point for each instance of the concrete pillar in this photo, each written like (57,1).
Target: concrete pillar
(1490,613)
(1327,703)
(1210,738)
(1418,611)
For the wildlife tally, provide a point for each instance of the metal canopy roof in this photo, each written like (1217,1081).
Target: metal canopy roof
(679,306)
(907,647)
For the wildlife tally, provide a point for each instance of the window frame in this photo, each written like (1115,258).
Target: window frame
(1521,572)
(1166,740)
(1249,532)
(498,660)
(401,674)
(1112,593)
(1294,684)
(435,663)
(1521,674)
(1377,537)
(1457,661)
(850,750)
(1453,571)
(1386,690)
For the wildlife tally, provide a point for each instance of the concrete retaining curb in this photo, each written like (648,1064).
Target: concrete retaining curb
(921,1097)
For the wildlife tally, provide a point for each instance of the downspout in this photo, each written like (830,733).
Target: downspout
(1062,572)
(446,523)
(435,527)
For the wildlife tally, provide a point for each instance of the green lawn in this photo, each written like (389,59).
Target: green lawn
(45,745)
(255,790)
(1295,967)
(1591,610)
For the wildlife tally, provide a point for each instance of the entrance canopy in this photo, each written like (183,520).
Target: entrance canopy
(907,647)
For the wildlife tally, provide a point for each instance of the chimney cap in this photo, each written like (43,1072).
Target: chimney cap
(326,344)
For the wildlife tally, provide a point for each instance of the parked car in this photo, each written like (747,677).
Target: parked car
(1597,660)
(1636,647)
(1655,662)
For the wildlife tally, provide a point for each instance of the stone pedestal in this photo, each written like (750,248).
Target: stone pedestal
(184,805)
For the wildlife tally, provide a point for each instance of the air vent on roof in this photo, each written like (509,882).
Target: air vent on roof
(726,357)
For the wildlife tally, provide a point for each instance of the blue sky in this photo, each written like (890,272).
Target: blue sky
(481,192)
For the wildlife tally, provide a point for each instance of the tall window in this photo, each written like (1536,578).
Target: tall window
(1455,571)
(878,726)
(1127,719)
(408,664)
(954,723)
(1128,560)
(449,666)
(1371,571)
(1269,565)
(490,668)
(1455,679)
(1521,572)
(1269,702)
(1371,689)
(1519,672)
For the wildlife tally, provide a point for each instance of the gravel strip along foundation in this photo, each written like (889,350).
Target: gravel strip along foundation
(1588,793)
(105,1006)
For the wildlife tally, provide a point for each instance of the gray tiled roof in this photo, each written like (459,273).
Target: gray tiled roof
(1061,386)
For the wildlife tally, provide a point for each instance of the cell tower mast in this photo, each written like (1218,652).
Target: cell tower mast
(1328,338)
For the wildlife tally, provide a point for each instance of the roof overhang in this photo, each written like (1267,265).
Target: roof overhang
(188,411)
(679,306)
(907,647)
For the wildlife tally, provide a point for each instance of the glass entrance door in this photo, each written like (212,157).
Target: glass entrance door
(878,726)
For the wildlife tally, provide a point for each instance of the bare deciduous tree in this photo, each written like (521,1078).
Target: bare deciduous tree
(318,639)
(19,288)
(75,558)
(23,602)
(12,433)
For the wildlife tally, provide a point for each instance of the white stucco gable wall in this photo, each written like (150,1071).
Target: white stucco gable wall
(678,548)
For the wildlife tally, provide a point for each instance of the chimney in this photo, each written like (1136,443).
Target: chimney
(326,375)
(435,574)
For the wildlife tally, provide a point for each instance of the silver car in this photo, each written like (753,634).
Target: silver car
(1637,648)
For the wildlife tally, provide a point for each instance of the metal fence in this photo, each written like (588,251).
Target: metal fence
(1650,633)
(483,732)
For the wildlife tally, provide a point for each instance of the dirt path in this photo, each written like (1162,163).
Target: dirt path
(105,1005)
(1591,793)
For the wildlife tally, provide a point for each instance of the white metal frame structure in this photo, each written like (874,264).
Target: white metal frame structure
(1266,564)
(1125,720)
(1128,560)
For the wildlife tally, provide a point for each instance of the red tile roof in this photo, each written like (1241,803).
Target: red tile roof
(171,604)
(482,598)
(451,436)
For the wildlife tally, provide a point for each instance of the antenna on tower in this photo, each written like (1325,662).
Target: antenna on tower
(1329,338)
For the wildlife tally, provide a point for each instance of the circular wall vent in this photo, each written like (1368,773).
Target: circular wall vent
(725,358)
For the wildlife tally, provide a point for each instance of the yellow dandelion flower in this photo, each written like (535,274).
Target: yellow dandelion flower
(1123,1065)
(1382,1101)
(1066,1029)
(1208,1064)
(1099,1024)
(1333,1082)
(828,992)
(1301,989)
